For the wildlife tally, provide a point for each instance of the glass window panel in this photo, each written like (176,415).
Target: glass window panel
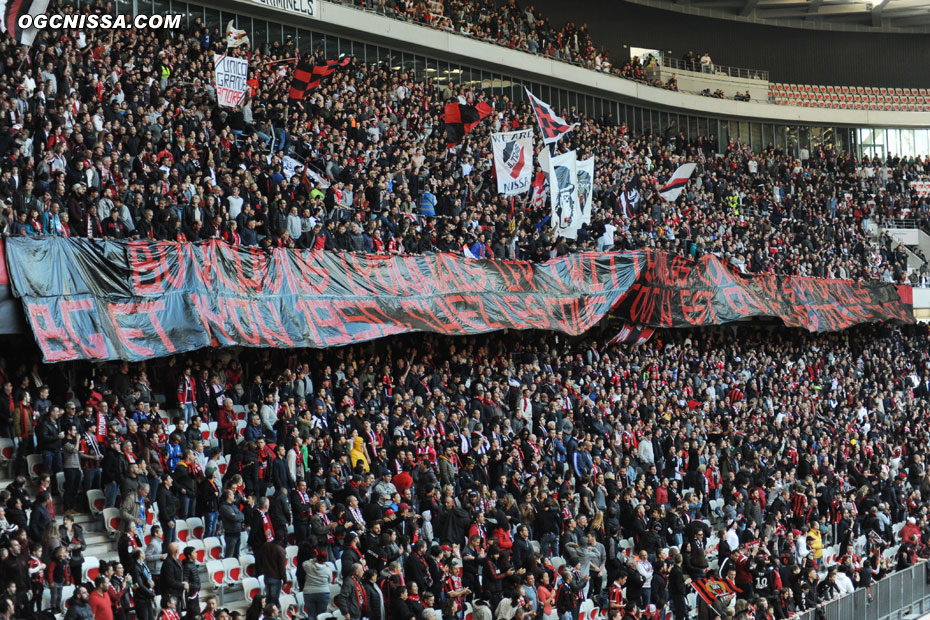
(766,135)
(893,144)
(259,33)
(305,44)
(755,137)
(744,133)
(124,7)
(144,7)
(842,140)
(332,47)
(804,137)
(702,130)
(781,136)
(816,137)
(212,19)
(907,143)
(792,141)
(829,138)
(275,34)
(922,141)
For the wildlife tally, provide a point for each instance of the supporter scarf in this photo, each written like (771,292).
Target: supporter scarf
(101,426)
(170,614)
(266,526)
(361,595)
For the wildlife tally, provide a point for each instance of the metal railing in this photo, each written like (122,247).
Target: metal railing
(736,72)
(899,595)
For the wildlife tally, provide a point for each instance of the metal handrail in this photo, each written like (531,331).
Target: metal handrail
(736,72)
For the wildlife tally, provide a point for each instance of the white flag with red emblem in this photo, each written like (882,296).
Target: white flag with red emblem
(513,161)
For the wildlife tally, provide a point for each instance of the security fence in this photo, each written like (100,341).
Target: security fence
(904,594)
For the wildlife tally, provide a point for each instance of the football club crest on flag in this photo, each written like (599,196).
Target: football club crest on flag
(513,161)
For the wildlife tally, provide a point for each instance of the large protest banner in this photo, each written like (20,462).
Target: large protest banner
(231,77)
(87,299)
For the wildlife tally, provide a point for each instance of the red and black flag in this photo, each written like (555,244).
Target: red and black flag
(634,335)
(711,588)
(10,13)
(551,125)
(460,119)
(307,77)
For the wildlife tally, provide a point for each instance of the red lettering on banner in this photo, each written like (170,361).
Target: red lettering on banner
(513,316)
(157,269)
(537,317)
(326,317)
(416,281)
(349,274)
(96,347)
(448,266)
(554,268)
(612,265)
(479,276)
(596,284)
(401,280)
(208,317)
(509,275)
(643,305)
(126,334)
(303,306)
(234,306)
(374,328)
(268,334)
(202,262)
(696,307)
(151,308)
(413,308)
(478,302)
(215,258)
(429,280)
(384,275)
(257,266)
(465,316)
(680,270)
(144,265)
(45,330)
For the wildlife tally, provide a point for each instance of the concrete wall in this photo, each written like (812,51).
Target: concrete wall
(695,82)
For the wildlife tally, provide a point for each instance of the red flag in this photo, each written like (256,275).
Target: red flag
(460,119)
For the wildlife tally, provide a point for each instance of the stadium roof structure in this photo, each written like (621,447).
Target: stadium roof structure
(856,15)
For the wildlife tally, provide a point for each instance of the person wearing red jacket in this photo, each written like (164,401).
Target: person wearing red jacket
(226,430)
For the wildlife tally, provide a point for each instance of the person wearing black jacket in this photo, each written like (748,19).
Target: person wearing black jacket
(350,553)
(167,507)
(678,588)
(522,549)
(48,437)
(416,567)
(143,592)
(566,597)
(186,485)
(191,571)
(114,468)
(280,511)
(232,519)
(171,580)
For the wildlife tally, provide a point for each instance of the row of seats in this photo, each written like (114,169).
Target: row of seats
(851,97)
(862,90)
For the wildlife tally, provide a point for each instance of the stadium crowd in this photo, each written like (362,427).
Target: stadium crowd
(509,471)
(505,470)
(122,139)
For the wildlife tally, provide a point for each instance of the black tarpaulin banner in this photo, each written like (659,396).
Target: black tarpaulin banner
(104,300)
